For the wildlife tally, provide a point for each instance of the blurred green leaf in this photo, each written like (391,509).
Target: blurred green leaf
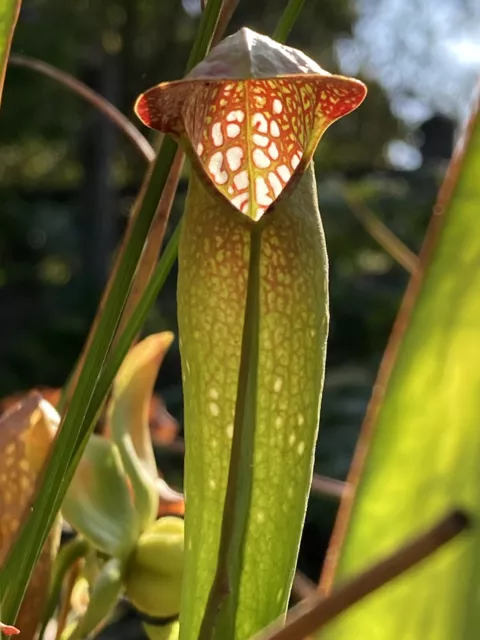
(8,19)
(99,504)
(419,454)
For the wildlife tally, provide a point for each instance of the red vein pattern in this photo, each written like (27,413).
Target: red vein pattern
(251,137)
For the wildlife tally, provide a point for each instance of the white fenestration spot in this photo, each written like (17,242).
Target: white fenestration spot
(261,160)
(237,115)
(291,439)
(215,165)
(277,385)
(274,129)
(214,409)
(273,151)
(260,122)
(277,106)
(284,172)
(301,448)
(261,192)
(241,180)
(275,183)
(262,141)
(240,201)
(199,149)
(279,422)
(230,190)
(217,135)
(312,333)
(234,157)
(213,393)
(233,130)
(295,161)
(260,516)
(300,419)
(290,492)
(230,431)
(212,484)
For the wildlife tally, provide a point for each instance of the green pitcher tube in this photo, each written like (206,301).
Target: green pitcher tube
(250,117)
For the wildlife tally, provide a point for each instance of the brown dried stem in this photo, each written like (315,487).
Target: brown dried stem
(95,99)
(382,234)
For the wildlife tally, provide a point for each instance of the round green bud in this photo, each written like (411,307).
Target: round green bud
(167,632)
(154,571)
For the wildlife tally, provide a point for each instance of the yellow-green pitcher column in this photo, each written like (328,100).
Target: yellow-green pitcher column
(250,117)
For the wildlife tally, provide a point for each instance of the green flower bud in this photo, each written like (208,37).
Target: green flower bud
(155,569)
(166,632)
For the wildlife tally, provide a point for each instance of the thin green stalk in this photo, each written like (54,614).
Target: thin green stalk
(75,429)
(287,20)
(219,618)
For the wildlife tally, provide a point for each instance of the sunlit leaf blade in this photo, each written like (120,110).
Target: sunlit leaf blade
(419,453)
(98,503)
(26,433)
(9,11)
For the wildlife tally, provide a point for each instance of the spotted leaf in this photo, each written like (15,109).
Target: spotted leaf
(27,430)
(251,137)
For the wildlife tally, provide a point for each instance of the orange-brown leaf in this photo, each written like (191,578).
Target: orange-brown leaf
(26,433)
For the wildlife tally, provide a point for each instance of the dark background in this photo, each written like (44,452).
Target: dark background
(68,179)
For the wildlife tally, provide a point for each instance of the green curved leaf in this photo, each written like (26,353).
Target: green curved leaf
(128,418)
(422,436)
(98,503)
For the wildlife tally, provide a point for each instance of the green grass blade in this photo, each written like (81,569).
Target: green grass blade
(8,19)
(288,19)
(419,453)
(76,428)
